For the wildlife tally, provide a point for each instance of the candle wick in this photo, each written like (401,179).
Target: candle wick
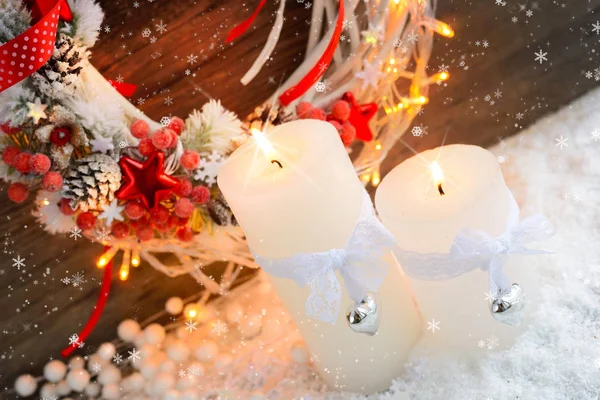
(440,189)
(277,162)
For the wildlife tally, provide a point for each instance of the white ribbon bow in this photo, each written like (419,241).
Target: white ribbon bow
(359,263)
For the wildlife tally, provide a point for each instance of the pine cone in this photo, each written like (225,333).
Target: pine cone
(219,211)
(91,182)
(266,115)
(14,19)
(59,77)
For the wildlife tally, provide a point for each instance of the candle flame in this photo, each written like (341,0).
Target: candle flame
(436,173)
(263,143)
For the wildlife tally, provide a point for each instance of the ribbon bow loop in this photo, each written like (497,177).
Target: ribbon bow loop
(359,263)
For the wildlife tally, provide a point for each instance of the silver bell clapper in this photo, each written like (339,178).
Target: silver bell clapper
(363,317)
(509,306)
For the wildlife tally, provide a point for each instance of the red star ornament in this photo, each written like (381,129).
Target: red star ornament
(360,115)
(146,181)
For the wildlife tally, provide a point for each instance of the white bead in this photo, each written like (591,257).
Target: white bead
(127,330)
(189,395)
(222,361)
(147,351)
(78,379)
(250,326)
(234,312)
(183,383)
(25,385)
(110,391)
(139,340)
(109,374)
(96,361)
(134,382)
(299,354)
(92,390)
(48,391)
(76,363)
(178,351)
(63,388)
(171,394)
(181,333)
(107,351)
(174,305)
(54,371)
(149,368)
(207,351)
(162,382)
(168,366)
(154,333)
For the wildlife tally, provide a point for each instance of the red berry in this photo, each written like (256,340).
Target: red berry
(184,188)
(184,207)
(39,164)
(60,136)
(177,125)
(336,125)
(139,129)
(9,154)
(18,192)
(341,110)
(316,113)
(86,220)
(64,206)
(182,221)
(144,233)
(135,224)
(21,162)
(134,210)
(303,108)
(348,134)
(162,227)
(146,147)
(119,230)
(160,215)
(189,159)
(52,181)
(200,194)
(185,234)
(162,138)
(174,138)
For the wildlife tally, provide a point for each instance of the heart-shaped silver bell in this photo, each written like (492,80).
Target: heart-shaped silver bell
(508,308)
(363,317)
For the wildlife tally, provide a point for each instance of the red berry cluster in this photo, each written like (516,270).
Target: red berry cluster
(338,117)
(37,165)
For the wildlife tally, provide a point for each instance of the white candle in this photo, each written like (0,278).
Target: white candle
(311,204)
(424,220)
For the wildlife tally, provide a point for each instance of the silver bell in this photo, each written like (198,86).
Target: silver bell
(508,308)
(363,317)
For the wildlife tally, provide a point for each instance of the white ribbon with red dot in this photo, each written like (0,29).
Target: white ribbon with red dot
(28,52)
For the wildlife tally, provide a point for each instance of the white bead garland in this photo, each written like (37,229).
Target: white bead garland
(109,374)
(54,371)
(250,326)
(92,390)
(162,382)
(128,329)
(25,385)
(107,351)
(63,388)
(207,351)
(178,351)
(76,362)
(48,391)
(111,391)
(174,306)
(234,312)
(154,333)
(78,379)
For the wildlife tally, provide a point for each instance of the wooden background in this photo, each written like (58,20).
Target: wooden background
(491,55)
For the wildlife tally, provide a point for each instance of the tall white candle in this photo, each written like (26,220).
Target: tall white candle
(311,204)
(423,220)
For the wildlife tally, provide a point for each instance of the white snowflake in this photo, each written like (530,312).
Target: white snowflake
(596,27)
(398,42)
(502,159)
(161,27)
(112,212)
(122,144)
(541,56)
(433,325)
(320,87)
(481,344)
(417,131)
(485,44)
(519,116)
(529,13)
(146,33)
(192,59)
(219,327)
(117,359)
(492,342)
(134,355)
(181,373)
(561,142)
(75,233)
(412,37)
(497,93)
(487,97)
(96,367)
(165,121)
(193,371)
(191,326)
(74,340)
(208,168)
(168,101)
(66,280)
(77,279)
(19,262)
(596,134)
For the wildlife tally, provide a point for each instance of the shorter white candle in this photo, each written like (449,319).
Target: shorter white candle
(425,201)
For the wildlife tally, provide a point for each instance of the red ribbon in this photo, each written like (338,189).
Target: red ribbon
(91,323)
(320,67)
(23,55)
(126,89)
(39,8)
(243,27)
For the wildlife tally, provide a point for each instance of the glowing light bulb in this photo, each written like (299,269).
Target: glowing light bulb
(437,176)
(124,272)
(376,178)
(190,311)
(106,257)
(135,258)
(45,202)
(378,145)
(440,27)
